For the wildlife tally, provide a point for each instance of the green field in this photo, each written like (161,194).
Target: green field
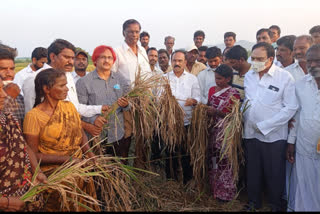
(20,64)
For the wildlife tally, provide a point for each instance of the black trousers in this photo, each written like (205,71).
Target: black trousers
(265,162)
(181,153)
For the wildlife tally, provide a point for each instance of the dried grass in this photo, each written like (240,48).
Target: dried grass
(171,120)
(117,181)
(231,137)
(197,144)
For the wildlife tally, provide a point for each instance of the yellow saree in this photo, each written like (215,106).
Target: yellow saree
(59,134)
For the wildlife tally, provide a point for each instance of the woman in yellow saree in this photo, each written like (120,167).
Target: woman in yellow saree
(53,130)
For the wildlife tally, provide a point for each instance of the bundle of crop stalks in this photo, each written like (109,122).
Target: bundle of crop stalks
(118,192)
(171,120)
(143,111)
(231,137)
(197,144)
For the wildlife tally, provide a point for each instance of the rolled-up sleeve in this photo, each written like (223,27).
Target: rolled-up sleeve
(83,106)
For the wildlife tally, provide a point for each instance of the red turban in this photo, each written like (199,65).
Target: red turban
(99,50)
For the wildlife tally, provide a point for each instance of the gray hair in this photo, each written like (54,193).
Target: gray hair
(169,37)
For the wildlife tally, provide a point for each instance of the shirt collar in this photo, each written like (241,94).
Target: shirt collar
(30,69)
(96,76)
(309,77)
(272,70)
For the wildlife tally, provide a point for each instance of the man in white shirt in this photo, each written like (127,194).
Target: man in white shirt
(153,59)
(206,77)
(131,56)
(300,47)
(272,102)
(285,57)
(185,88)
(80,65)
(61,56)
(303,143)
(39,59)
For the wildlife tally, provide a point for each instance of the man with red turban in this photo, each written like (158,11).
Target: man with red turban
(105,87)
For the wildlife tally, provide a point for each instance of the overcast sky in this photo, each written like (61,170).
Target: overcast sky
(27,24)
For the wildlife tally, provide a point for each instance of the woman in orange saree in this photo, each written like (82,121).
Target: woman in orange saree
(53,130)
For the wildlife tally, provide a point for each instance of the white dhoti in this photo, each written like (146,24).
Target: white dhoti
(304,184)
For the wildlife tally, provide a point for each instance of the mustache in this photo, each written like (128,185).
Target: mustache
(177,66)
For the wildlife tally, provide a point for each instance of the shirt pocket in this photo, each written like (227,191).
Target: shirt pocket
(270,97)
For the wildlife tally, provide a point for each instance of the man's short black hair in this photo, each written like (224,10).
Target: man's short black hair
(58,45)
(230,34)
(144,34)
(315,29)
(164,51)
(180,51)
(203,48)
(267,47)
(237,52)
(151,49)
(199,33)
(213,52)
(277,28)
(39,53)
(262,30)
(287,41)
(7,52)
(130,22)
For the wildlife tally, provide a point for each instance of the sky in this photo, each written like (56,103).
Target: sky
(27,24)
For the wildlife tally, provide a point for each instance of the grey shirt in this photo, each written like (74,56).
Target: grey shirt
(93,90)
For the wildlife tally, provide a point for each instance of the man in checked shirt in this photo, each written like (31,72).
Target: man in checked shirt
(14,101)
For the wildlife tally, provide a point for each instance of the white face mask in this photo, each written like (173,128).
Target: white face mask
(258,66)
(7,82)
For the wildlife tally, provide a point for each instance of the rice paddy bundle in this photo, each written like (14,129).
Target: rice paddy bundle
(231,137)
(171,118)
(117,179)
(197,144)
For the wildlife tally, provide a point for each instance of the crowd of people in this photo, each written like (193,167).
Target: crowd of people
(48,111)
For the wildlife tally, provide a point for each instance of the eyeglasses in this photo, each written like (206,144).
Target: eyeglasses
(106,58)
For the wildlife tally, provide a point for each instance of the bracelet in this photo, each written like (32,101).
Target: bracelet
(8,202)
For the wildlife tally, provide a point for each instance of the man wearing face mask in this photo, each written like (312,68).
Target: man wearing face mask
(206,77)
(272,102)
(304,138)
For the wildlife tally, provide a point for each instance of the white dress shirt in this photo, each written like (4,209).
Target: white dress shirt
(128,63)
(272,103)
(23,74)
(184,87)
(306,131)
(206,80)
(30,96)
(76,77)
(294,69)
